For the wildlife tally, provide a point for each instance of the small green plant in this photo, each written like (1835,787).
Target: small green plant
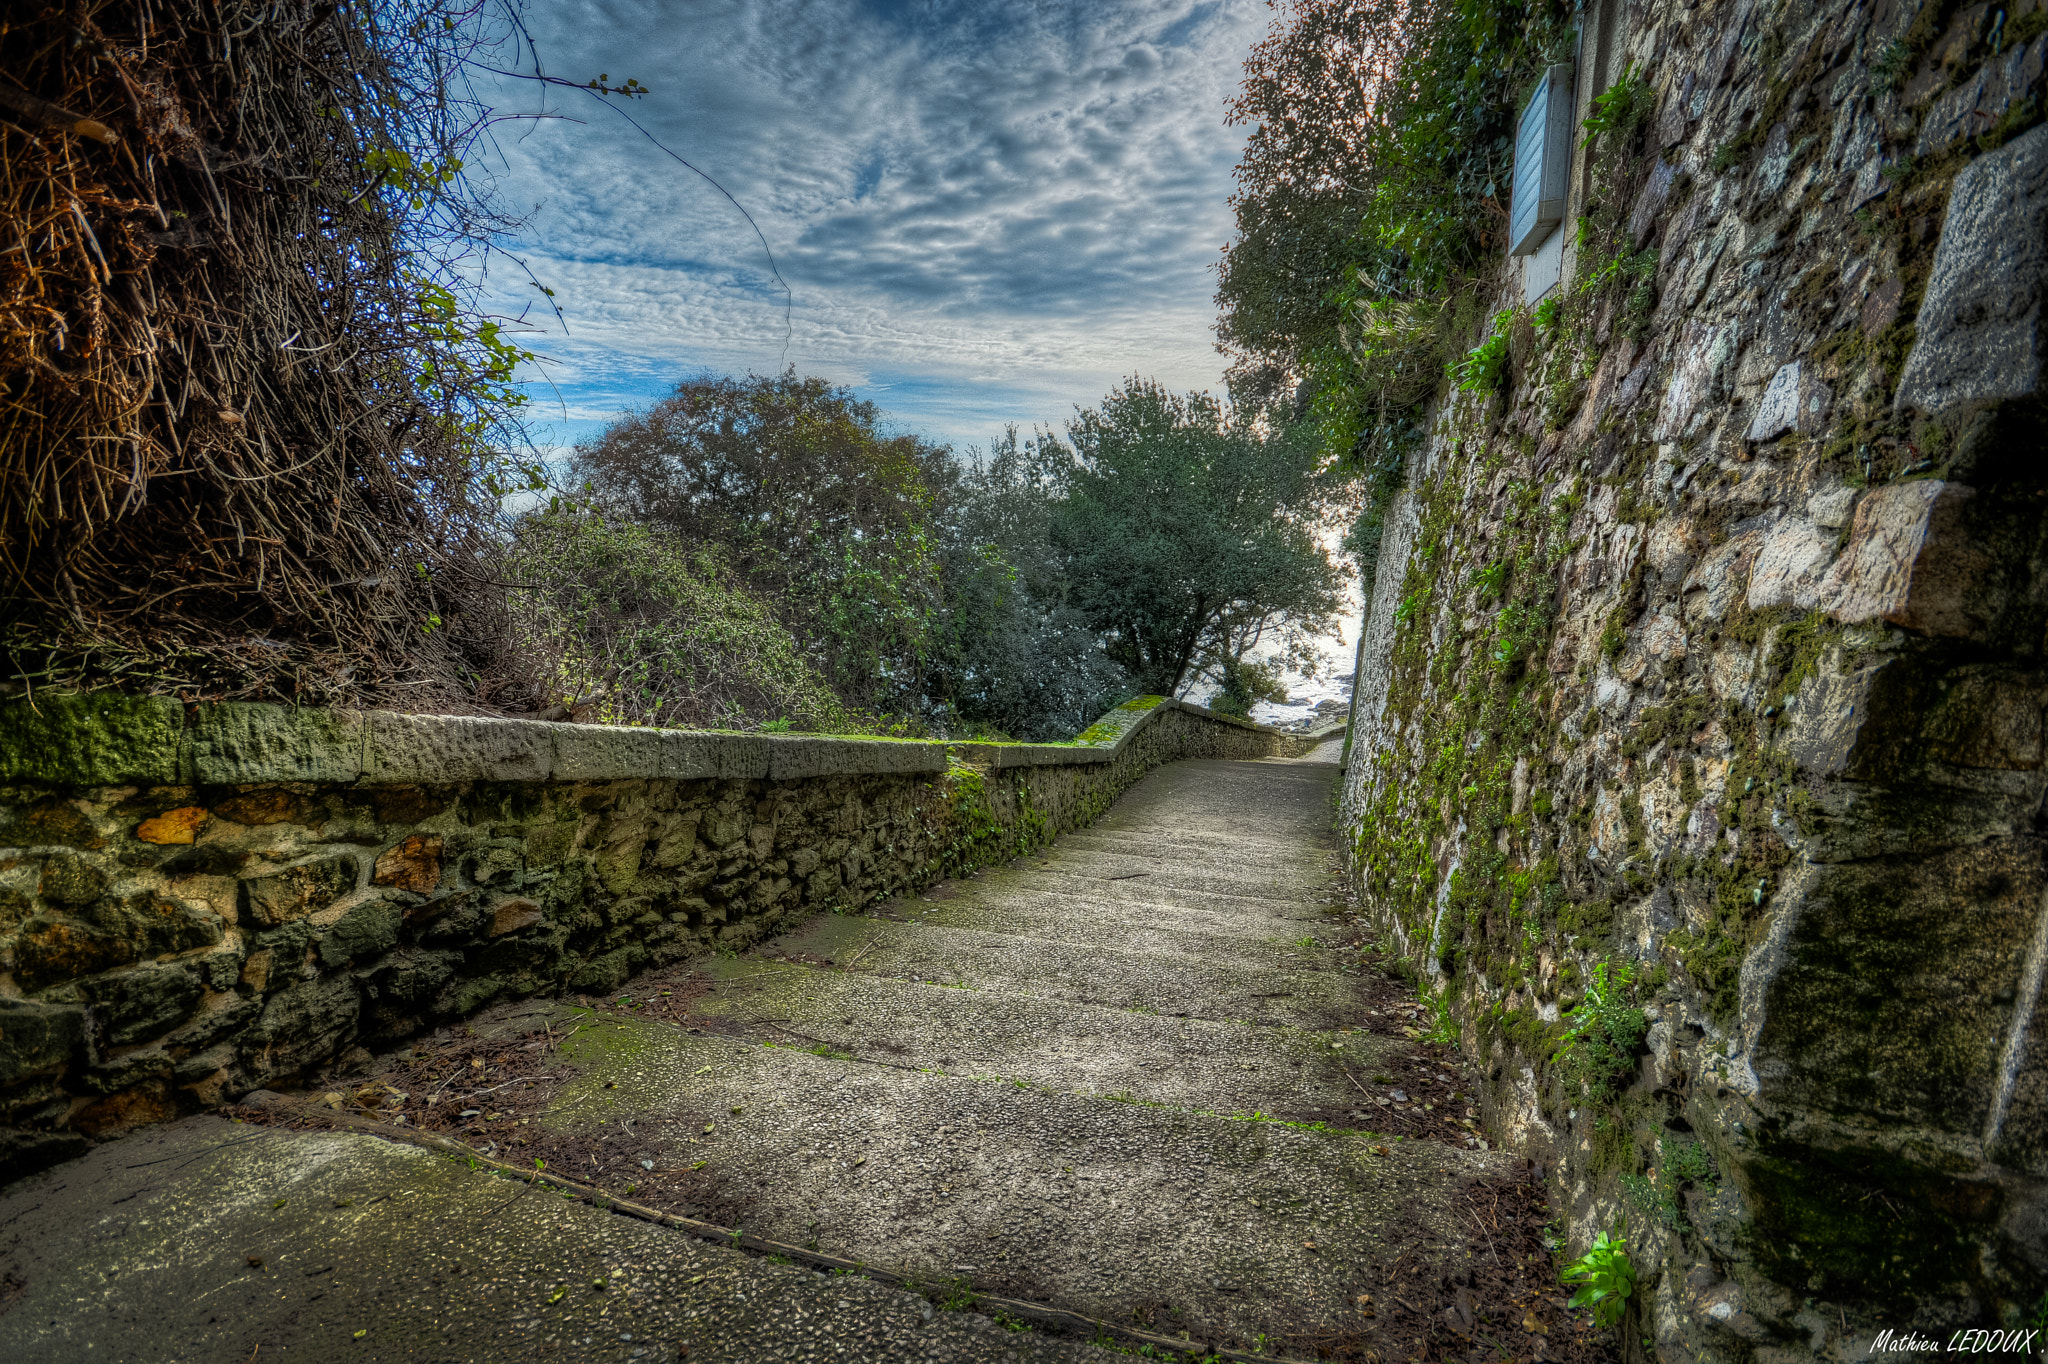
(1008,1322)
(1600,1046)
(1494,576)
(1484,366)
(1888,70)
(1604,1277)
(1621,107)
(1546,314)
(775,726)
(1442,1029)
(1687,1162)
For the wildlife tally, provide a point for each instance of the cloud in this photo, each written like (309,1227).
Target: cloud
(995,209)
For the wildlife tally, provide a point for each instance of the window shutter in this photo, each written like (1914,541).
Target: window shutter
(1543,162)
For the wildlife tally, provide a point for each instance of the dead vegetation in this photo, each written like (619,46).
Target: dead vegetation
(251,443)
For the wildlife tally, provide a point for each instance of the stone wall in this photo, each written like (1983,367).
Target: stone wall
(196,903)
(1705,659)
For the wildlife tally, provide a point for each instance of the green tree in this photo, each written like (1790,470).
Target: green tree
(1012,653)
(821,513)
(1189,532)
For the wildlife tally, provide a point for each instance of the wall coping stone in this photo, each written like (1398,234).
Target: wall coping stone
(110,739)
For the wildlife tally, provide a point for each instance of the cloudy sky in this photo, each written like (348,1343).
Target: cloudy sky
(986,211)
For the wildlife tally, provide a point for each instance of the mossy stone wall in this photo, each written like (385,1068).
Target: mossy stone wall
(196,903)
(1702,652)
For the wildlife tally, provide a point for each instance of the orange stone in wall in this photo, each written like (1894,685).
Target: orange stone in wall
(181,825)
(413,865)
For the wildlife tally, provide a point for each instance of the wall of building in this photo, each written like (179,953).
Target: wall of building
(1697,748)
(195,903)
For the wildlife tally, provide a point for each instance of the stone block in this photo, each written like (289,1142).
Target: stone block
(48,951)
(795,757)
(1642,218)
(1789,564)
(691,756)
(444,749)
(301,1026)
(235,742)
(71,882)
(24,1151)
(297,891)
(366,930)
(92,739)
(1912,561)
(1979,332)
(1977,105)
(178,826)
(37,1039)
(509,916)
(413,864)
(413,975)
(138,1005)
(606,753)
(1794,400)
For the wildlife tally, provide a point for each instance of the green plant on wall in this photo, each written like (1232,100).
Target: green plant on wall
(1599,1049)
(1482,368)
(1604,1278)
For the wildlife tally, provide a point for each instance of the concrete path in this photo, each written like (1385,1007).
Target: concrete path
(1116,1078)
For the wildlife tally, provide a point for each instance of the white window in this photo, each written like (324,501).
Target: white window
(1543,162)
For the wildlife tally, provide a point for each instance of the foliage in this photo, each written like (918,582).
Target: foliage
(1605,1030)
(1010,655)
(1245,683)
(1621,107)
(821,514)
(1188,532)
(1482,368)
(1604,1278)
(629,624)
(258,425)
(1397,119)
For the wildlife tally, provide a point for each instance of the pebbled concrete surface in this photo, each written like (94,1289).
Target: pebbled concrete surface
(211,1241)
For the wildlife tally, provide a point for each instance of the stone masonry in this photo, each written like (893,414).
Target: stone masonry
(1700,712)
(197,903)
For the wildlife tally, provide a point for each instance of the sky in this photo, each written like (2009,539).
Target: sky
(985,211)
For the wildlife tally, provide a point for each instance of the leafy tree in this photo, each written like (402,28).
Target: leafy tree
(1375,178)
(821,514)
(1189,532)
(1012,654)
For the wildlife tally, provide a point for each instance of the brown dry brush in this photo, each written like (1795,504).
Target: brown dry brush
(246,415)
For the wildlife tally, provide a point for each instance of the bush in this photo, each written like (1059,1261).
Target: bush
(625,624)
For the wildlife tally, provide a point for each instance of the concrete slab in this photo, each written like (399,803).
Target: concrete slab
(210,1241)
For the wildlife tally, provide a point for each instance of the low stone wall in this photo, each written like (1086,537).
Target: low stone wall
(194,903)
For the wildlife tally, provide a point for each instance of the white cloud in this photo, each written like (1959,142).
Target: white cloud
(986,212)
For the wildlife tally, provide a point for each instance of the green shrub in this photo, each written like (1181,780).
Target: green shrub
(1605,1031)
(1604,1278)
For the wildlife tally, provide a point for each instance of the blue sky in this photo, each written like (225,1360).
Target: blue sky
(986,212)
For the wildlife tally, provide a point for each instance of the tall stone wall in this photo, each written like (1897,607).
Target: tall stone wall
(1697,750)
(194,904)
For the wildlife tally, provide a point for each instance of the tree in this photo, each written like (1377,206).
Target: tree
(1012,654)
(1189,532)
(820,513)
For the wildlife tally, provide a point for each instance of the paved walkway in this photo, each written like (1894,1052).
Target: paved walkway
(1108,1078)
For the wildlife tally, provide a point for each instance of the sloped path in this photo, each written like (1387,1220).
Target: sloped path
(1116,1077)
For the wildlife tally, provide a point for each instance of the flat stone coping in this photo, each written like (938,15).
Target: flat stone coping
(110,739)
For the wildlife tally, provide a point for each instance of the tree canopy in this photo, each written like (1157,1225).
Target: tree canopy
(1189,532)
(820,512)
